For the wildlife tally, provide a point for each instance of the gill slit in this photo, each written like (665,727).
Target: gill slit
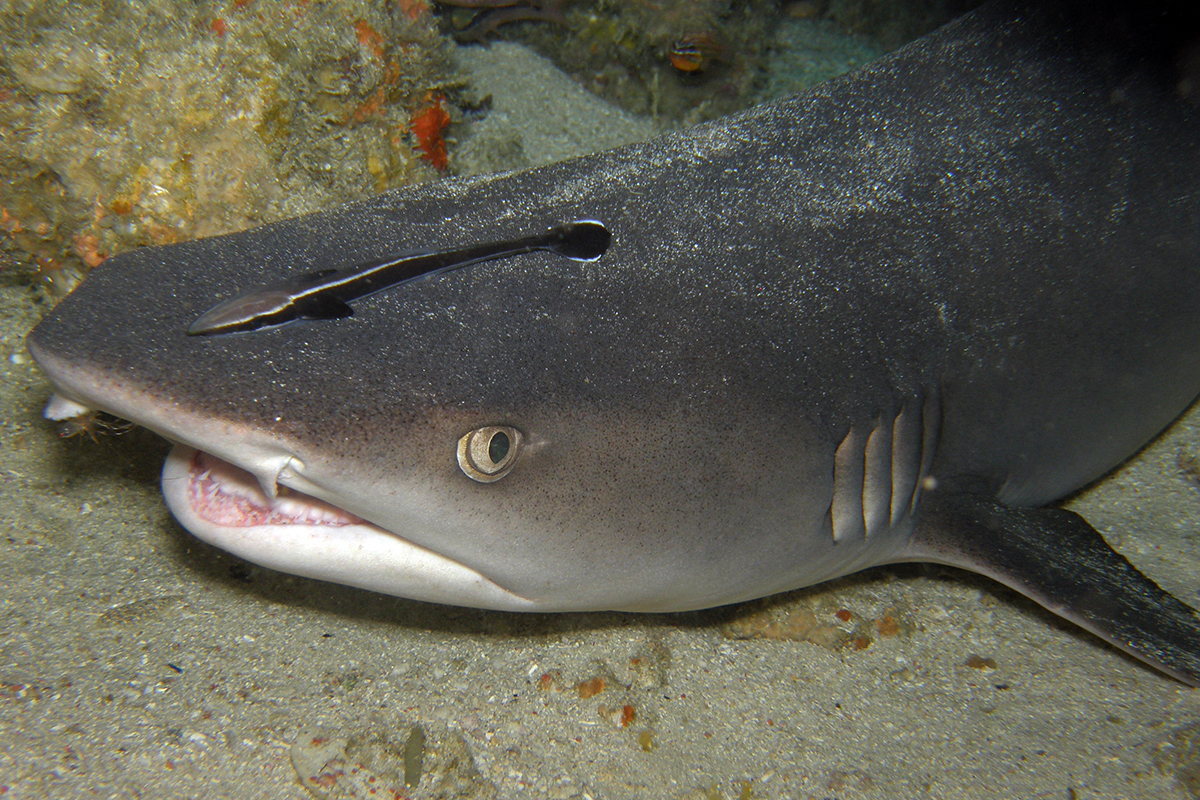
(879,471)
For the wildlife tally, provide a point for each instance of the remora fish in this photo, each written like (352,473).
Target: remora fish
(326,293)
(895,317)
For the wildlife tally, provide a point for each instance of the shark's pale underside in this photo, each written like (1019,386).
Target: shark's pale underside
(886,320)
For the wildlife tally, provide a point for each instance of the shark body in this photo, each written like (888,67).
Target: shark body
(883,321)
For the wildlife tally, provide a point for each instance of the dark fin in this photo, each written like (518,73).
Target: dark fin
(583,240)
(322,306)
(1056,558)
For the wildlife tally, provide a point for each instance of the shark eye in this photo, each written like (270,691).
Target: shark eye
(487,454)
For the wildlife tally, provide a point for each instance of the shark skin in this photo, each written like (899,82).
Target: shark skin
(887,320)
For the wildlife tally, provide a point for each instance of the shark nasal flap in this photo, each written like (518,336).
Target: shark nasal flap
(893,319)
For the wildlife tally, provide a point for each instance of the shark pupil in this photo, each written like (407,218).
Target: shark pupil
(498,447)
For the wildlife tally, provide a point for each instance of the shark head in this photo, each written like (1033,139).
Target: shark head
(508,436)
(519,434)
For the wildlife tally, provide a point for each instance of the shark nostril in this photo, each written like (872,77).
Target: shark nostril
(488,454)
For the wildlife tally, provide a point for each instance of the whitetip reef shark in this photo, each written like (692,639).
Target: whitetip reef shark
(887,320)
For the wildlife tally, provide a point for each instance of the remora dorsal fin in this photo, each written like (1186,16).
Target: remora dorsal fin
(1056,558)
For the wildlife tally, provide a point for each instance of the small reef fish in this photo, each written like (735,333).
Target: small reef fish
(494,13)
(695,52)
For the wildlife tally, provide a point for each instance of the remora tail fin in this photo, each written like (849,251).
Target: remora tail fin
(1057,559)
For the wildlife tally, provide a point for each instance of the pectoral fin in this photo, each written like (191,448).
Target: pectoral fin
(1056,558)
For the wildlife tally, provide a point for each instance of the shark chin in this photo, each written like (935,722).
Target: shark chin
(225,505)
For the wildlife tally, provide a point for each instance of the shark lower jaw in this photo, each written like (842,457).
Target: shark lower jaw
(225,505)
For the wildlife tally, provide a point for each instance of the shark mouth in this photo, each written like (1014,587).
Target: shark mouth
(226,506)
(226,495)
